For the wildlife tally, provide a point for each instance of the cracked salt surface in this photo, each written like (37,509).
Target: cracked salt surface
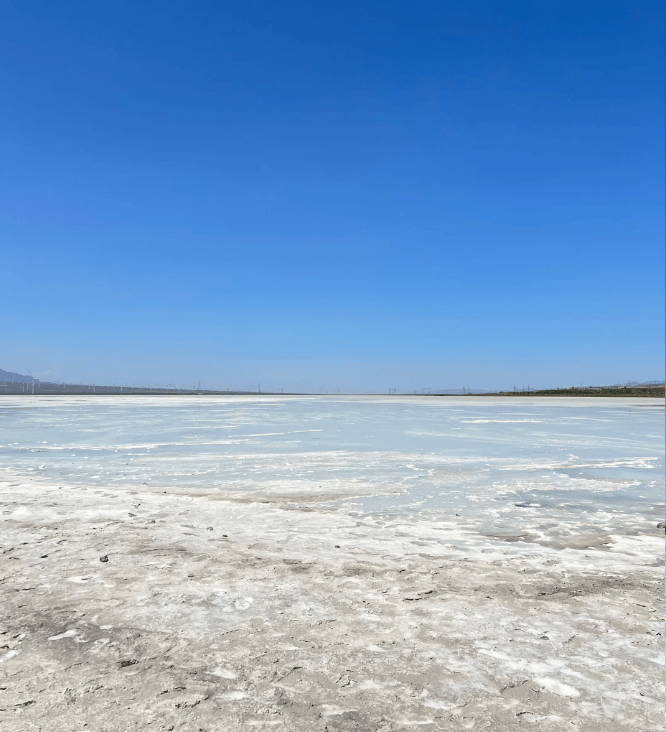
(324,563)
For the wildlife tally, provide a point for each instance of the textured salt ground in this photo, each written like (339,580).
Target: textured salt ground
(272,626)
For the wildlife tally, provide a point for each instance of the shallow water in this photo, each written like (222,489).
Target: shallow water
(541,469)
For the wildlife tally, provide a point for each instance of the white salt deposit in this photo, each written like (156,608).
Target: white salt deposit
(530,470)
(439,563)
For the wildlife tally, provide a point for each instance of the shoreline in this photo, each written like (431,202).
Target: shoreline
(592,393)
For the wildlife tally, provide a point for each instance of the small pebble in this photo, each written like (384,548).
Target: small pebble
(337,546)
(44,556)
(209,528)
(131,514)
(104,558)
(661,526)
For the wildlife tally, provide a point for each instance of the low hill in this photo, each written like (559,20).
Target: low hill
(15,378)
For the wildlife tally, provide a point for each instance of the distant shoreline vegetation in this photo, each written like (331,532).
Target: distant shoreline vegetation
(589,391)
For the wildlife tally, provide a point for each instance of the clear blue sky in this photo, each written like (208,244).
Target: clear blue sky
(344,195)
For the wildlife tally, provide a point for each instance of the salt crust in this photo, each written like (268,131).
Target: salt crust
(221,614)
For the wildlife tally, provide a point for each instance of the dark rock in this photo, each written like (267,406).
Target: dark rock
(104,558)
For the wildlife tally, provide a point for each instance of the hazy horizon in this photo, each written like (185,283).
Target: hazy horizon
(269,388)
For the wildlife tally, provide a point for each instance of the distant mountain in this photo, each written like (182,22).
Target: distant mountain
(10,376)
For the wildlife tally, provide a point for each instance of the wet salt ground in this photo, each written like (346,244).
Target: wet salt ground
(412,457)
(533,467)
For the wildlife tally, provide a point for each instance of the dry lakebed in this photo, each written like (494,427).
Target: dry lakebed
(331,564)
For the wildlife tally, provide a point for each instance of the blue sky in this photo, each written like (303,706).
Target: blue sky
(355,195)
